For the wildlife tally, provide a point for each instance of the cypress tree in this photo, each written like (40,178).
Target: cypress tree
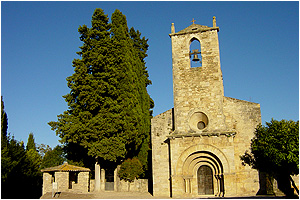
(109,107)
(17,169)
(128,89)
(4,121)
(30,143)
(141,47)
(79,124)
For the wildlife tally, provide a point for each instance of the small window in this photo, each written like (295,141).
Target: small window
(201,125)
(195,53)
(198,121)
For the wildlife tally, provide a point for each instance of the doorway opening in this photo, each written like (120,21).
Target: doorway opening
(205,180)
(109,179)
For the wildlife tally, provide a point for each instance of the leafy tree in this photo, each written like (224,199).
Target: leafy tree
(43,148)
(109,107)
(275,151)
(131,169)
(53,157)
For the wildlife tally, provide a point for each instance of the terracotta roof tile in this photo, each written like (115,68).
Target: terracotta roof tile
(66,168)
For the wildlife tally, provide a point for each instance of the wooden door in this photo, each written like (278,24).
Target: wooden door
(205,180)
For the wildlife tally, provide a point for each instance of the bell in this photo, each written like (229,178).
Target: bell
(195,59)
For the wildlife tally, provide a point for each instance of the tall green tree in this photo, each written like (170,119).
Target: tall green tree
(79,124)
(4,122)
(5,159)
(34,175)
(141,46)
(109,107)
(30,142)
(126,64)
(34,158)
(275,151)
(18,169)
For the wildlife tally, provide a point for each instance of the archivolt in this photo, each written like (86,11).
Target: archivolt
(202,153)
(196,159)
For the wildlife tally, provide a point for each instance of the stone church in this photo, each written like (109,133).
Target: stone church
(196,146)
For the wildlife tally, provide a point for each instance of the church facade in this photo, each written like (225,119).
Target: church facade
(196,146)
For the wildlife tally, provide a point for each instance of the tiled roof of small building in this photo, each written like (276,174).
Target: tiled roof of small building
(66,168)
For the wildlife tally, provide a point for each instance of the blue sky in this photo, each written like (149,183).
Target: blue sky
(259,49)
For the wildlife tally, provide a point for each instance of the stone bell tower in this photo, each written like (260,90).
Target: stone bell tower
(198,91)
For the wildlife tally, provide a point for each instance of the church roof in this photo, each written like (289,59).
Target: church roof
(194,28)
(66,168)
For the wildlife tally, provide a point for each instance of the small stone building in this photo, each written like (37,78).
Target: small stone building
(68,178)
(196,146)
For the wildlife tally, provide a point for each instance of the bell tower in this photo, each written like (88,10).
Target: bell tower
(198,91)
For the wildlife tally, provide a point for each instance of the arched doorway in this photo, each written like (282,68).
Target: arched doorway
(190,162)
(205,180)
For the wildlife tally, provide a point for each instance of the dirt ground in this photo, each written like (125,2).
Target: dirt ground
(100,195)
(133,195)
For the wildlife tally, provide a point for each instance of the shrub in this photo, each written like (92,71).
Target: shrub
(130,169)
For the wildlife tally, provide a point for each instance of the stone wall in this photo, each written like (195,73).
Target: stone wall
(138,185)
(62,180)
(161,127)
(47,183)
(243,116)
(92,185)
(82,184)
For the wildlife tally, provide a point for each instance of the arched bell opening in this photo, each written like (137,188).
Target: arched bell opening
(195,53)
